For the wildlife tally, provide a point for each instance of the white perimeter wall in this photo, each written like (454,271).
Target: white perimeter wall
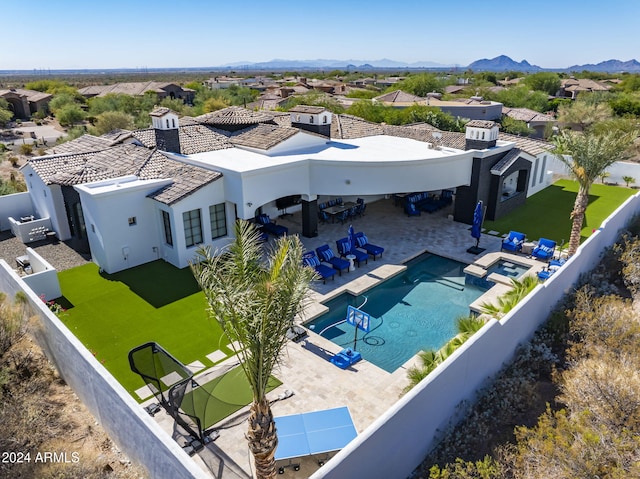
(397,442)
(131,428)
(15,206)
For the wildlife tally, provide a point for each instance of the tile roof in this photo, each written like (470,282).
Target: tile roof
(347,127)
(78,168)
(127,88)
(525,114)
(481,124)
(82,144)
(160,111)
(233,115)
(186,179)
(312,110)
(398,96)
(194,138)
(507,160)
(31,95)
(529,145)
(263,136)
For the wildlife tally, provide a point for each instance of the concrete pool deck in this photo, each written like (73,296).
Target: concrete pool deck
(305,370)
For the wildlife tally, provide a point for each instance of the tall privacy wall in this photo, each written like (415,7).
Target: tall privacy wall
(135,432)
(398,441)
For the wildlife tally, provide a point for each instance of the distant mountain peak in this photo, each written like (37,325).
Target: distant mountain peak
(502,63)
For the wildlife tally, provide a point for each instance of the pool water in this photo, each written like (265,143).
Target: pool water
(413,311)
(507,268)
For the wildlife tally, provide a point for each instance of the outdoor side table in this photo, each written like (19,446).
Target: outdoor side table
(351,258)
(527,247)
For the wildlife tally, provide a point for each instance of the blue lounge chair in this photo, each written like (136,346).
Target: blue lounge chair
(268,226)
(545,249)
(325,253)
(311,259)
(411,210)
(345,247)
(363,243)
(513,242)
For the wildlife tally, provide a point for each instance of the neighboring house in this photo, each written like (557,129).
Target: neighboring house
(535,120)
(474,108)
(572,87)
(162,89)
(131,197)
(24,103)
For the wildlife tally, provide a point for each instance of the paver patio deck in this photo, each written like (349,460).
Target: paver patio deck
(367,390)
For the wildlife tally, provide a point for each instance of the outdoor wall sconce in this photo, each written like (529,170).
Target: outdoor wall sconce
(249,204)
(348,182)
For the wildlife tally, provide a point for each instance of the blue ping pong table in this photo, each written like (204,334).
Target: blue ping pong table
(311,433)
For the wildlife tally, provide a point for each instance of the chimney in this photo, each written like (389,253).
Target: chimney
(480,135)
(165,125)
(312,118)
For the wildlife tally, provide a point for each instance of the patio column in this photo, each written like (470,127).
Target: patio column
(310,218)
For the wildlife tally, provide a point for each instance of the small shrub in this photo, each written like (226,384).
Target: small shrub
(26,149)
(14,160)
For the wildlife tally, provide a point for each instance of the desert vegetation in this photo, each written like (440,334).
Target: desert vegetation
(46,431)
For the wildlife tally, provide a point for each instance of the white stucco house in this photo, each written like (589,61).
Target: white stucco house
(131,197)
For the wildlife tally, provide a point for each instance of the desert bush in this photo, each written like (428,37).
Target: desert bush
(26,149)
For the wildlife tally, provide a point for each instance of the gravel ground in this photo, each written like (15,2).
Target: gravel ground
(57,253)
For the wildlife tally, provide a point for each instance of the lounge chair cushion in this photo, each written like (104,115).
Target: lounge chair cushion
(327,254)
(362,240)
(312,261)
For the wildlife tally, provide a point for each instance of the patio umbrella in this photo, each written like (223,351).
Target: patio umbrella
(476,228)
(351,235)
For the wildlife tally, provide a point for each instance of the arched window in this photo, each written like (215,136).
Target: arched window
(167,122)
(483,135)
(311,119)
(173,122)
(324,119)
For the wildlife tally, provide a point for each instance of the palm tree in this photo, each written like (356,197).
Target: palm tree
(505,303)
(467,326)
(255,301)
(586,156)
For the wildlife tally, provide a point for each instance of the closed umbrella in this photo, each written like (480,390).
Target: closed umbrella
(352,237)
(476,228)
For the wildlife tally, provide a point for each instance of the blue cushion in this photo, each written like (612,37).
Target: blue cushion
(327,254)
(312,261)
(362,240)
(545,249)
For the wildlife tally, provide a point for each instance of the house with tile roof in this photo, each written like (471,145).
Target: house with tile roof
(162,89)
(572,87)
(535,120)
(131,197)
(24,103)
(474,108)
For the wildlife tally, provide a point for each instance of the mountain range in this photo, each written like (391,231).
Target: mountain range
(499,63)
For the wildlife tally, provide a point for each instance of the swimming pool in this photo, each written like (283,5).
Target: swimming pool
(413,311)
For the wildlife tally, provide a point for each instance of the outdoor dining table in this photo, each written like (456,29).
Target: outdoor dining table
(337,209)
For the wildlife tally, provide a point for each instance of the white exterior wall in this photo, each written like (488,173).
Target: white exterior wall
(179,254)
(116,245)
(344,179)
(47,202)
(542,171)
(624,168)
(14,206)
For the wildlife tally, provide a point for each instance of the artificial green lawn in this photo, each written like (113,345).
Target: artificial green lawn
(221,397)
(111,314)
(547,213)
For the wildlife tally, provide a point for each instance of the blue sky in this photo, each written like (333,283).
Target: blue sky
(58,34)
